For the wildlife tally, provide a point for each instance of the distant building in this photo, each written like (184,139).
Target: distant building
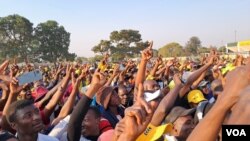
(239,47)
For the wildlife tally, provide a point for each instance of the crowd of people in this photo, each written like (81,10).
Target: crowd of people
(168,100)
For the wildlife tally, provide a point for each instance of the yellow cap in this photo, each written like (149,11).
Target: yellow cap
(153,133)
(195,96)
(78,72)
(150,77)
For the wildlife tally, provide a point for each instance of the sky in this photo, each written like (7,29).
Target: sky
(215,22)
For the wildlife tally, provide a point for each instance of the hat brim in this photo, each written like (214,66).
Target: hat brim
(188,112)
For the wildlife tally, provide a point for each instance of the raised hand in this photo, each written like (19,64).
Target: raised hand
(147,54)
(59,69)
(85,70)
(14,88)
(159,60)
(140,99)
(177,80)
(69,69)
(136,118)
(14,69)
(116,70)
(235,81)
(98,79)
(3,66)
(169,63)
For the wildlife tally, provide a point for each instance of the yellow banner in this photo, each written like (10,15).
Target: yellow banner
(244,43)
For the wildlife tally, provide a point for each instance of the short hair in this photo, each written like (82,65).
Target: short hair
(16,106)
(96,111)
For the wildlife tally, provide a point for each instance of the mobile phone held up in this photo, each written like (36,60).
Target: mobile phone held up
(29,77)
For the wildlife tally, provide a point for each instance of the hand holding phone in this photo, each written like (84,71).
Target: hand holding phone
(29,77)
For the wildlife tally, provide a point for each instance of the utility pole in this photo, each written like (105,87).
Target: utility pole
(235,35)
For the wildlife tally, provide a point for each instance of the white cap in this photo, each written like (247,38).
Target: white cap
(151,96)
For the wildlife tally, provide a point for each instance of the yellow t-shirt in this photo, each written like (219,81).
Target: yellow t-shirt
(102,67)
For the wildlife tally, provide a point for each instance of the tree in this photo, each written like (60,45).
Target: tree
(70,56)
(203,50)
(103,47)
(53,42)
(193,45)
(122,44)
(171,50)
(222,49)
(81,60)
(16,36)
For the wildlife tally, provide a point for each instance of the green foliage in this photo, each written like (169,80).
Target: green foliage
(171,50)
(222,49)
(95,58)
(15,36)
(102,47)
(48,41)
(122,44)
(53,42)
(193,45)
(203,50)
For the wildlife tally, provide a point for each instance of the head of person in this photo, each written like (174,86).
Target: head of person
(194,66)
(209,76)
(151,85)
(182,120)
(195,97)
(24,117)
(107,97)
(25,94)
(132,80)
(45,79)
(39,92)
(204,87)
(153,98)
(90,124)
(123,94)
(216,87)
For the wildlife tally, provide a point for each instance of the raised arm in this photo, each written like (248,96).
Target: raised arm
(147,54)
(4,97)
(235,81)
(42,103)
(69,104)
(167,102)
(49,108)
(156,65)
(14,91)
(115,73)
(197,82)
(4,65)
(195,75)
(80,110)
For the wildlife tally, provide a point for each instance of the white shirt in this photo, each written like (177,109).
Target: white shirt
(170,138)
(64,138)
(60,128)
(42,137)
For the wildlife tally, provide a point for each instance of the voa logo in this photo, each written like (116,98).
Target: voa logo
(236,132)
